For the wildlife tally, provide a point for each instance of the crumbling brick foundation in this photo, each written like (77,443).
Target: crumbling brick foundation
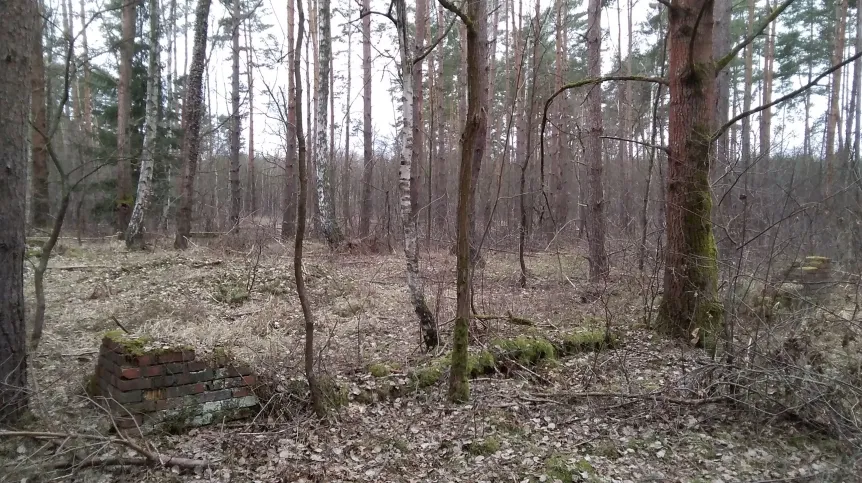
(157,386)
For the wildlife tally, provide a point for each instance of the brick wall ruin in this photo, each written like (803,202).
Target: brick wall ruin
(154,385)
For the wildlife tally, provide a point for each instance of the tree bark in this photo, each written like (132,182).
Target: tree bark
(348,158)
(252,185)
(593,149)
(834,112)
(192,111)
(326,209)
(18,32)
(288,220)
(314,387)
(472,150)
(689,300)
(235,124)
(367,153)
(124,110)
(407,181)
(134,233)
(40,206)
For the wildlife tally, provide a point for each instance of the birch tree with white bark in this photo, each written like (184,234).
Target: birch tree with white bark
(134,232)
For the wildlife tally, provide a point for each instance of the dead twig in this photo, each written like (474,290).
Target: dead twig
(149,457)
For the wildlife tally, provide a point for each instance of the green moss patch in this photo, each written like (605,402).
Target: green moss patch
(526,350)
(484,447)
(589,341)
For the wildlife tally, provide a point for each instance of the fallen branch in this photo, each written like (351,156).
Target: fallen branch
(650,397)
(512,319)
(150,457)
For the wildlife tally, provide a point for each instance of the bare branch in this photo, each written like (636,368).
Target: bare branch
(785,97)
(468,22)
(727,59)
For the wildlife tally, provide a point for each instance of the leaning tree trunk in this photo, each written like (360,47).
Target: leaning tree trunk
(18,30)
(472,150)
(593,149)
(834,112)
(124,111)
(192,110)
(326,208)
(134,234)
(406,182)
(235,125)
(689,302)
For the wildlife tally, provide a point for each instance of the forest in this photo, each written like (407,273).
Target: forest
(452,240)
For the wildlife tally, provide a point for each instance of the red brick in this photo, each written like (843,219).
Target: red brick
(130,372)
(126,396)
(175,368)
(172,356)
(144,360)
(249,380)
(188,389)
(240,370)
(195,366)
(152,371)
(188,355)
(109,365)
(184,378)
(215,395)
(202,376)
(154,394)
(133,384)
(241,392)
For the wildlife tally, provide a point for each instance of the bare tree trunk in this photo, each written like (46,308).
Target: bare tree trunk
(593,149)
(18,30)
(367,161)
(766,114)
(235,125)
(345,175)
(40,207)
(85,92)
(406,180)
(441,205)
(472,150)
(834,113)
(314,387)
(418,142)
(124,109)
(326,209)
(134,233)
(288,223)
(252,186)
(192,111)
(721,46)
(689,301)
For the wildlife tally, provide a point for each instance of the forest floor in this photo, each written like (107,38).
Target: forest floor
(530,424)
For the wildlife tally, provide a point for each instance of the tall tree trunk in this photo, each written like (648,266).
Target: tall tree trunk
(407,180)
(314,387)
(834,113)
(18,30)
(721,45)
(418,142)
(689,300)
(124,109)
(593,149)
(40,207)
(766,114)
(235,124)
(85,65)
(192,111)
(367,161)
(288,220)
(326,209)
(134,233)
(472,150)
(346,173)
(252,186)
(441,205)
